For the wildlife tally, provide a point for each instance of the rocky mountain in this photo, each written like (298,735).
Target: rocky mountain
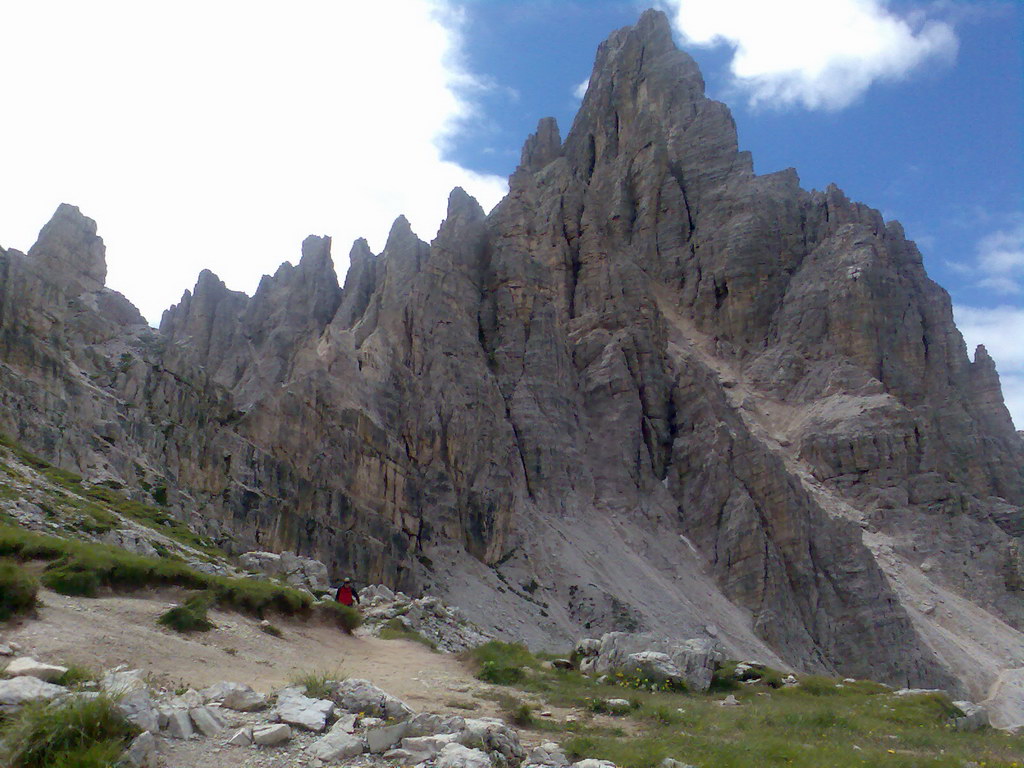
(649,390)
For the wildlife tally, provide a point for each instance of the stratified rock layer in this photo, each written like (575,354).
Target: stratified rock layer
(649,390)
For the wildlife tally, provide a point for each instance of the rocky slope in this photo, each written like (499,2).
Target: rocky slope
(650,390)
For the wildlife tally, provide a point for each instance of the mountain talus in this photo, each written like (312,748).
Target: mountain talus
(650,389)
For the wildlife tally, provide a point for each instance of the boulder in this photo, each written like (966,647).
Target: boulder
(427,724)
(338,744)
(356,695)
(296,709)
(178,724)
(138,708)
(492,735)
(21,690)
(974,718)
(591,763)
(121,681)
(271,734)
(385,737)
(694,659)
(459,756)
(205,721)
(141,753)
(617,706)
(237,696)
(549,753)
(654,667)
(26,666)
(242,738)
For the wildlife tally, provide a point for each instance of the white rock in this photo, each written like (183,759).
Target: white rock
(336,745)
(355,695)
(142,752)
(297,709)
(120,681)
(26,666)
(235,696)
(617,706)
(179,724)
(427,724)
(385,737)
(492,735)
(729,701)
(138,708)
(591,763)
(975,716)
(458,756)
(269,735)
(205,722)
(549,753)
(21,690)
(242,738)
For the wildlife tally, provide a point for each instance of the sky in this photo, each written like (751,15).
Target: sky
(219,134)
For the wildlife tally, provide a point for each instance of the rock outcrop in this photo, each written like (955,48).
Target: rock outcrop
(650,390)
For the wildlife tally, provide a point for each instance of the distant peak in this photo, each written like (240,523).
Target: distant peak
(462,205)
(69,249)
(542,147)
(316,249)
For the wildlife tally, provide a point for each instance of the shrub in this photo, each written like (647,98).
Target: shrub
(69,581)
(17,590)
(75,676)
(79,732)
(189,617)
(346,617)
(501,663)
(318,684)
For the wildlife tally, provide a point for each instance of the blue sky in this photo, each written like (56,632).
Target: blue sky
(217,136)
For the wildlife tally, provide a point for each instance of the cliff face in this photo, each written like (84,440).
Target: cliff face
(650,389)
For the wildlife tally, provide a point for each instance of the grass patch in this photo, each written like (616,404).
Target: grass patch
(79,733)
(152,517)
(17,590)
(76,676)
(501,663)
(346,617)
(271,630)
(188,617)
(396,630)
(82,568)
(319,684)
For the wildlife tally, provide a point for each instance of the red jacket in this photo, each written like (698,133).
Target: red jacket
(347,594)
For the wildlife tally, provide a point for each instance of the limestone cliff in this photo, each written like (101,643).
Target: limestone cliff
(650,389)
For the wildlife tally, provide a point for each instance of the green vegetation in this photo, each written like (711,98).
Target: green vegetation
(272,630)
(78,733)
(76,676)
(815,724)
(188,617)
(502,663)
(99,503)
(346,617)
(83,568)
(319,684)
(396,630)
(17,590)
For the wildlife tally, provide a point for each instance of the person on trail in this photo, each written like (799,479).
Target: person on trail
(347,594)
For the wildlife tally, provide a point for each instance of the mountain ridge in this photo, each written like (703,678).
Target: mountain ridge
(650,382)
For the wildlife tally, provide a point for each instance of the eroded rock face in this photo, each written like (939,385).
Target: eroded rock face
(650,390)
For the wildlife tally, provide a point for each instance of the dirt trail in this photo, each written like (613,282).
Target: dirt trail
(101,633)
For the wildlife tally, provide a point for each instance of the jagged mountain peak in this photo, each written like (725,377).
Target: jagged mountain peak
(69,248)
(666,390)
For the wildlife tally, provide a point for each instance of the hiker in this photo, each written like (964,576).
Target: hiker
(347,593)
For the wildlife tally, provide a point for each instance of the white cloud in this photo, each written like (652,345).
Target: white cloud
(581,89)
(1001,259)
(822,54)
(1000,329)
(220,134)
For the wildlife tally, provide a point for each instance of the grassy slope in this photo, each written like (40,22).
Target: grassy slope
(819,724)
